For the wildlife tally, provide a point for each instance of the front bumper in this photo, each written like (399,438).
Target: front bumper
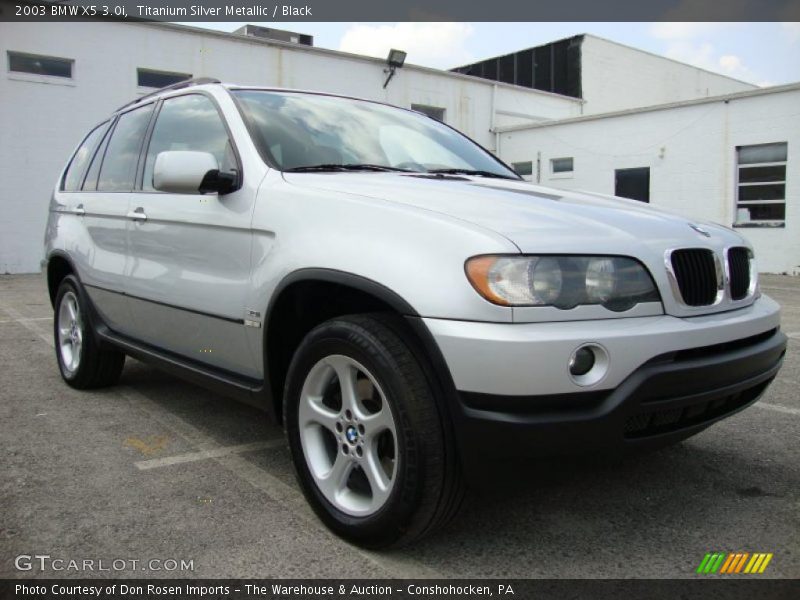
(668,379)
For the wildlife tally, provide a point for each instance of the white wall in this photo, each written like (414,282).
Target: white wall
(691,152)
(43,119)
(615,77)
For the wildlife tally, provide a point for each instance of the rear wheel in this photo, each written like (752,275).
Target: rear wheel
(366,434)
(83,364)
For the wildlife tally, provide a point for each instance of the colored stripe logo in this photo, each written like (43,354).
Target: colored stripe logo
(734,563)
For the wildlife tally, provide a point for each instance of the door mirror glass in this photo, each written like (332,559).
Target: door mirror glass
(186,172)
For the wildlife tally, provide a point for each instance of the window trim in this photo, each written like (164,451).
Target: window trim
(771,223)
(82,176)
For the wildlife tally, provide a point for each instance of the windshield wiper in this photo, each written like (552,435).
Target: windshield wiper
(346,167)
(475,172)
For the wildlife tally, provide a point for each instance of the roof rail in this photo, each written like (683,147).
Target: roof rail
(175,86)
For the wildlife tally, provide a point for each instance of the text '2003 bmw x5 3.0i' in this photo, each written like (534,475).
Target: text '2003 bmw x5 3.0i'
(393,294)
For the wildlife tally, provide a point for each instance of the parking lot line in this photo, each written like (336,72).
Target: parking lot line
(26,319)
(31,326)
(155,463)
(778,408)
(396,565)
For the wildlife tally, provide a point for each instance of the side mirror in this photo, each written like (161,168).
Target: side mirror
(189,172)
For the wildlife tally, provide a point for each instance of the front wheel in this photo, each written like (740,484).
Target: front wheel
(368,439)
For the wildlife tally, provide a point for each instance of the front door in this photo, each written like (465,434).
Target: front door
(189,262)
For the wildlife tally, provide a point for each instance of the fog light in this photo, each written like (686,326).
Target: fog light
(581,361)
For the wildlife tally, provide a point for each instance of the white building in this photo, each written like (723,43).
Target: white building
(732,159)
(95,67)
(45,116)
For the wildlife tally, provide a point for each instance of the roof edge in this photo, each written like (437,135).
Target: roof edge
(672,60)
(327,51)
(777,89)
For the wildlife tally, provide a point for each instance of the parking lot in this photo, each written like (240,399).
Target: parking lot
(156,468)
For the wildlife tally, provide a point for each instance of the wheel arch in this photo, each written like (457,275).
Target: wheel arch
(59,265)
(307,297)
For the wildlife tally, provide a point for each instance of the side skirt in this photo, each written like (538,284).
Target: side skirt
(243,389)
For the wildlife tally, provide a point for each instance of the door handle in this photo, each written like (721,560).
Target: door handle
(79,210)
(137,214)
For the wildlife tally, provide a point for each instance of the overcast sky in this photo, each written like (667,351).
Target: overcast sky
(761,53)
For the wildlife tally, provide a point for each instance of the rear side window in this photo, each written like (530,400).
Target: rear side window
(118,171)
(188,122)
(72,178)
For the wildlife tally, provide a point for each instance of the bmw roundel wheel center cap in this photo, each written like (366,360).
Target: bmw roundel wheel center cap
(351,433)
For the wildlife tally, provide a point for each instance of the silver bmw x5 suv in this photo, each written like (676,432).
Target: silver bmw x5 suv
(397,297)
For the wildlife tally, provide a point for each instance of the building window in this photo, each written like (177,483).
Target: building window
(433,112)
(561,165)
(523,169)
(761,185)
(633,183)
(159,79)
(19,62)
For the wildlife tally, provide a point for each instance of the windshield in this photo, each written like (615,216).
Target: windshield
(297,131)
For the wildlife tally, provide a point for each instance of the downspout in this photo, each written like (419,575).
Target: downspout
(493,126)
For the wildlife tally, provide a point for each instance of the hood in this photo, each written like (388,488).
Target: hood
(534,218)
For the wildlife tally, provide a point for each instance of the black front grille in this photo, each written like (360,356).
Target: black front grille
(696,273)
(655,422)
(739,272)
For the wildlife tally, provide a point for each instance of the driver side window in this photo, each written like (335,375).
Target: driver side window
(189,122)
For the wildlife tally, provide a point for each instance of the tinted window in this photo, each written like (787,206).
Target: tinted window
(39,65)
(72,178)
(90,181)
(188,123)
(118,171)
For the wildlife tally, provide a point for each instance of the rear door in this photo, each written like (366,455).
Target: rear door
(101,207)
(190,253)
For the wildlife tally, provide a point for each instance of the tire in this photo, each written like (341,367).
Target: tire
(82,362)
(395,426)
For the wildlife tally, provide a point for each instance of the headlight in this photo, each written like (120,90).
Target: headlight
(565,282)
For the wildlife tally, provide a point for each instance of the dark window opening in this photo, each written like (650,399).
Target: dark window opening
(159,79)
(633,183)
(52,66)
(523,169)
(562,165)
(432,111)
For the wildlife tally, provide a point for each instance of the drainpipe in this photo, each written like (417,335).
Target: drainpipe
(494,121)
